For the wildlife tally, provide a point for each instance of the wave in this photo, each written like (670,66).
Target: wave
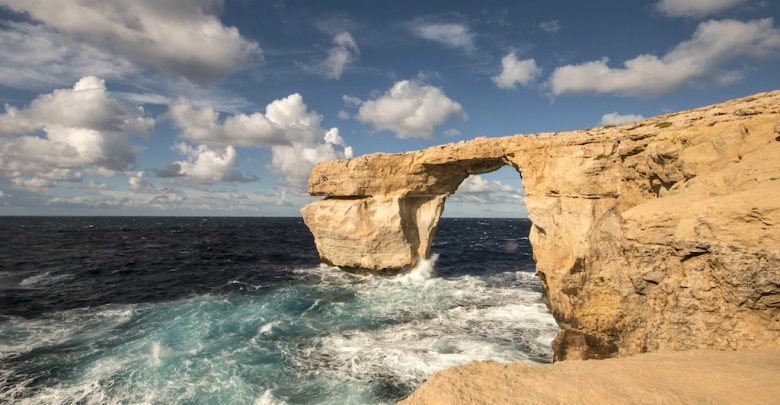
(326,336)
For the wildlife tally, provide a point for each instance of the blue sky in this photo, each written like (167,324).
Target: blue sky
(208,107)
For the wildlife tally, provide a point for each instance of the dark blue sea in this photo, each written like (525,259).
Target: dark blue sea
(240,310)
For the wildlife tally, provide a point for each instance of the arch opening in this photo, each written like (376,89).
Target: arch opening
(484,226)
(483,237)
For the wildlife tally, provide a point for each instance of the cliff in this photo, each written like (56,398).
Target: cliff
(659,235)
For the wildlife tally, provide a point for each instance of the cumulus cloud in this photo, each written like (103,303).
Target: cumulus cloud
(204,126)
(551,26)
(476,189)
(35,56)
(296,161)
(58,134)
(713,44)
(614,118)
(452,35)
(695,8)
(343,53)
(204,164)
(514,72)
(293,132)
(136,182)
(182,37)
(411,109)
(285,121)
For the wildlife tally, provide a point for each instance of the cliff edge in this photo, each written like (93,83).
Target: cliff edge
(695,377)
(658,235)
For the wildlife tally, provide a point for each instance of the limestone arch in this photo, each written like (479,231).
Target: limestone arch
(422,211)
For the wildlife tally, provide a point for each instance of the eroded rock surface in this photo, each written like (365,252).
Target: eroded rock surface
(659,235)
(696,377)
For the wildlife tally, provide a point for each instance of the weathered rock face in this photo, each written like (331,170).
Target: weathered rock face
(660,235)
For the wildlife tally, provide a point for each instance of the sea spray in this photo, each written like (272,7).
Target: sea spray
(424,270)
(157,351)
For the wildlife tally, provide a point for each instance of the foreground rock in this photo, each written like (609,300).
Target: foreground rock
(659,235)
(698,377)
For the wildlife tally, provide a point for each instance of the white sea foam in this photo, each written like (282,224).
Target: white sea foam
(328,337)
(268,327)
(21,335)
(268,399)
(44,279)
(451,321)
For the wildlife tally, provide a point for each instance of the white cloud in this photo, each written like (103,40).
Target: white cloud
(35,56)
(714,43)
(136,182)
(343,53)
(204,164)
(83,127)
(204,126)
(296,161)
(353,101)
(293,132)
(729,77)
(614,118)
(478,184)
(93,185)
(551,26)
(183,37)
(695,8)
(146,98)
(451,132)
(410,109)
(285,121)
(195,199)
(344,115)
(514,71)
(475,189)
(453,35)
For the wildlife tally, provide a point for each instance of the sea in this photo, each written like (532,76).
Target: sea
(172,310)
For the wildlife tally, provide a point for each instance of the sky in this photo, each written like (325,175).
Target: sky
(210,107)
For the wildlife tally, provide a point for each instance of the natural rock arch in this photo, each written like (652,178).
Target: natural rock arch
(660,235)
(389,232)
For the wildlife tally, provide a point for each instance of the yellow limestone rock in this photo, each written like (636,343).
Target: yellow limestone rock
(658,235)
(694,377)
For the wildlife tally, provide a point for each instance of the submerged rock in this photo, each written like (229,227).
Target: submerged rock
(658,235)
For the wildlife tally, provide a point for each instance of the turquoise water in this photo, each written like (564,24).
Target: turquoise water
(240,311)
(324,337)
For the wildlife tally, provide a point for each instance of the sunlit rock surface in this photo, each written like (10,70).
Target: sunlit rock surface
(693,377)
(658,235)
